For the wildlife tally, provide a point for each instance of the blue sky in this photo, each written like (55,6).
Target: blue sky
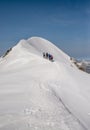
(66,23)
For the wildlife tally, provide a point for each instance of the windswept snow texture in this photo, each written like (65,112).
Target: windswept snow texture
(37,94)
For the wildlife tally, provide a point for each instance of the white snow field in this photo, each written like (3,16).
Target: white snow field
(37,94)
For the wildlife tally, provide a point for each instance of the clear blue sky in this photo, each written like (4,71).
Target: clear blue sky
(66,23)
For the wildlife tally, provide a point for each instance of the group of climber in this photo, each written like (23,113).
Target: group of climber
(48,56)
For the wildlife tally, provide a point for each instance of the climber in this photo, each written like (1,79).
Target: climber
(44,54)
(47,55)
(50,57)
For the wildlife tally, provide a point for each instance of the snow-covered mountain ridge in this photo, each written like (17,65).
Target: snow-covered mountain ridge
(34,46)
(36,93)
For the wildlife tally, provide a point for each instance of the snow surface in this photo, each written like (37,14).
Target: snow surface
(37,94)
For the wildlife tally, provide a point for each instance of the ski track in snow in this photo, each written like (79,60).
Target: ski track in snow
(49,113)
(32,89)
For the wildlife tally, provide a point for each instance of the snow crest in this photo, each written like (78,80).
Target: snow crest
(36,93)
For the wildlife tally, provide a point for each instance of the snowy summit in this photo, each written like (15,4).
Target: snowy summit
(39,94)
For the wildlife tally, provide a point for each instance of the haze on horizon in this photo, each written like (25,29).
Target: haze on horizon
(65,23)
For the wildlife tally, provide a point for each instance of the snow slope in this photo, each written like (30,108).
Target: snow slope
(36,93)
